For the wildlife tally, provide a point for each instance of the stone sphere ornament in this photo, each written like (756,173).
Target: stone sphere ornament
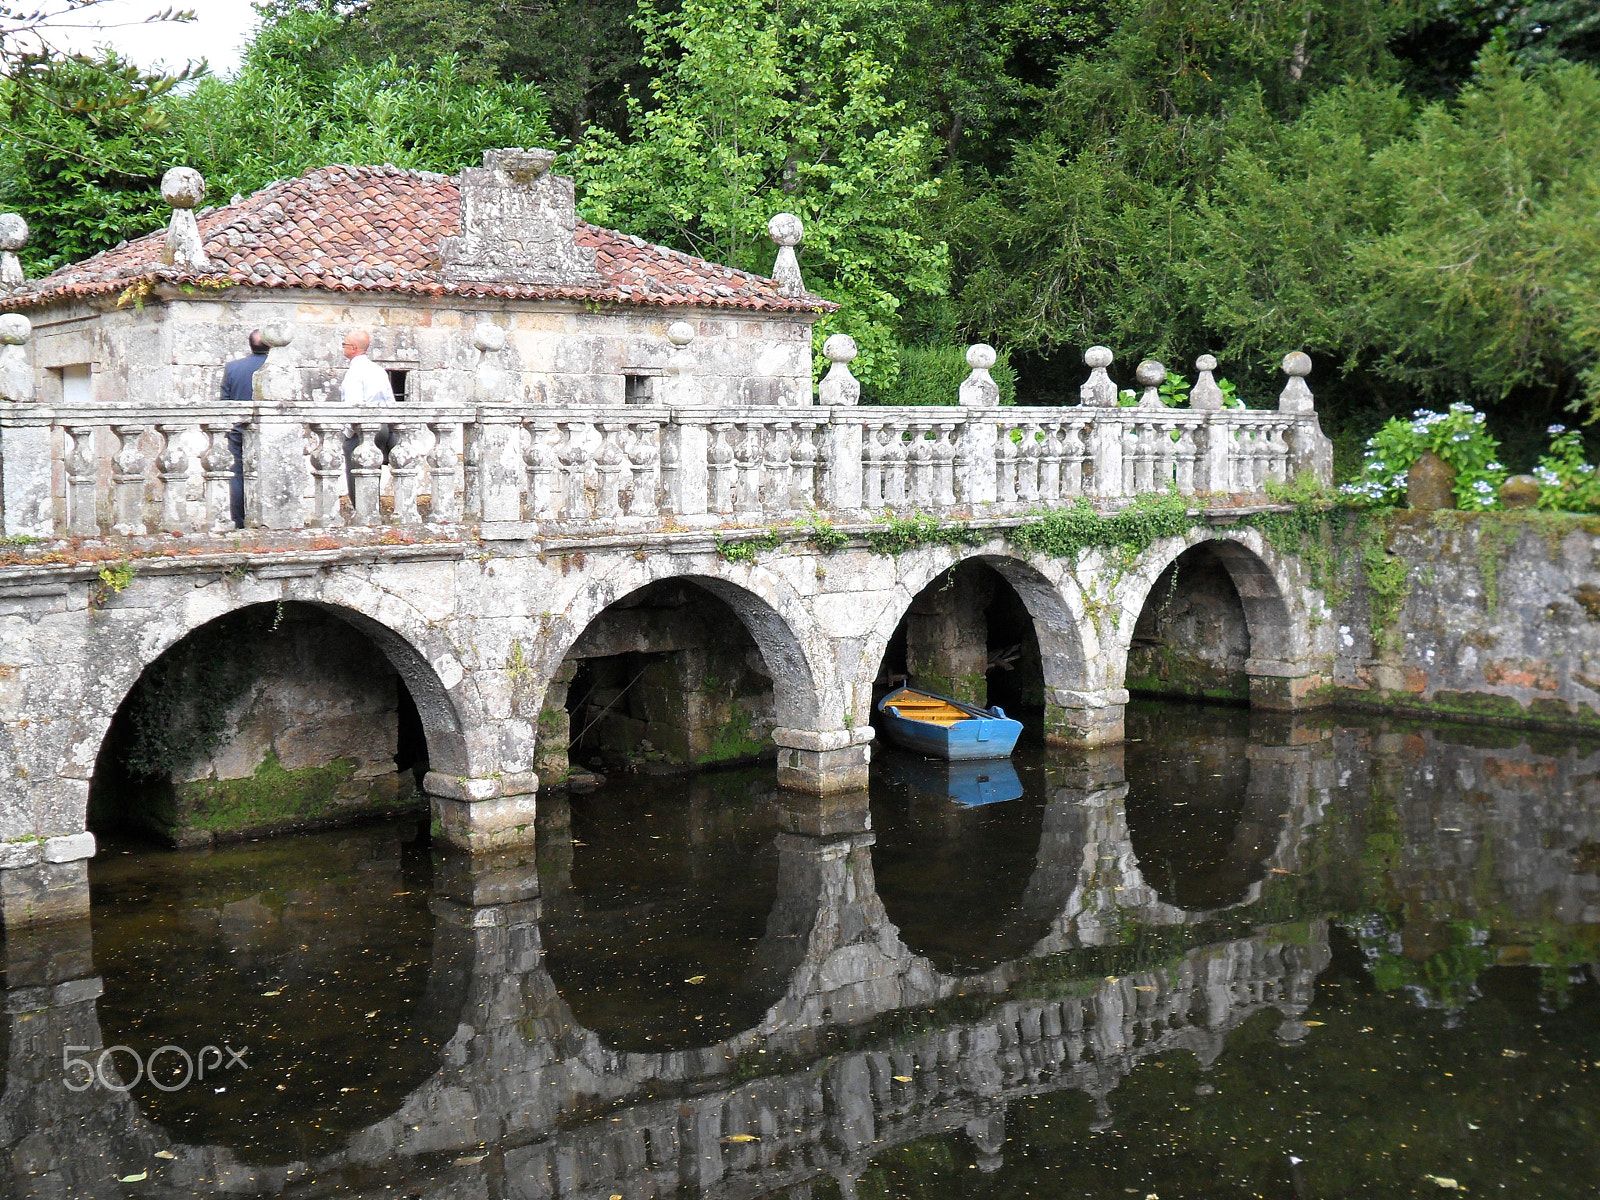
(1151,373)
(840,348)
(1097,356)
(1297,363)
(13,232)
(183,187)
(786,229)
(277,333)
(680,333)
(488,337)
(15,329)
(1206,362)
(981,356)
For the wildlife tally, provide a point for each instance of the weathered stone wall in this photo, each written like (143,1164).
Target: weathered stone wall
(1499,619)
(1192,638)
(173,346)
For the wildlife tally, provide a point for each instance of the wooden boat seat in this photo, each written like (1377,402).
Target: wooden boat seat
(923,708)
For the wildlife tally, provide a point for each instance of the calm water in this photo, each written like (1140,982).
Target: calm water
(1327,957)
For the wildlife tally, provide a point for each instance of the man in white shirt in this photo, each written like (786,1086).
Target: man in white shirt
(365,382)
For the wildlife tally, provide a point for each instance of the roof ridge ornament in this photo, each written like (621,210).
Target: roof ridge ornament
(518,225)
(13,237)
(786,230)
(183,188)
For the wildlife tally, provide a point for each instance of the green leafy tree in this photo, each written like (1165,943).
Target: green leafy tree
(755,110)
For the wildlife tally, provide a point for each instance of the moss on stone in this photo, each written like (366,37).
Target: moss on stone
(274,798)
(734,740)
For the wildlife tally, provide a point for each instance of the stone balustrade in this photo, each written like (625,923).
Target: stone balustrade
(520,470)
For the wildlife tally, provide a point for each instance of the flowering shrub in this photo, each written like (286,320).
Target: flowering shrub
(1566,479)
(1457,436)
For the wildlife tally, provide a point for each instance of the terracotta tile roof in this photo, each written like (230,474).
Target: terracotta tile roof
(378,229)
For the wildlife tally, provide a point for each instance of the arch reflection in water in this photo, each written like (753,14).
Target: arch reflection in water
(656,896)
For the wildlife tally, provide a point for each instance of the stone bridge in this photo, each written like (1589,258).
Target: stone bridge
(564,1115)
(480,552)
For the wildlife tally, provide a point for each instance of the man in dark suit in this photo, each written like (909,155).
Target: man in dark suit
(237,384)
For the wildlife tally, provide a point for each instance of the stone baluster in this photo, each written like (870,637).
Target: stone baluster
(944,464)
(1261,472)
(445,495)
(405,467)
(1244,457)
(574,459)
(83,468)
(672,486)
(721,470)
(1166,460)
(1050,463)
(1072,454)
(892,438)
(544,471)
(217,465)
(1005,455)
(1277,454)
(1029,454)
(871,469)
(777,499)
(838,386)
(615,471)
(128,469)
(1146,455)
(1130,456)
(921,464)
(748,456)
(366,473)
(839,454)
(643,455)
(328,475)
(472,472)
(803,467)
(1184,471)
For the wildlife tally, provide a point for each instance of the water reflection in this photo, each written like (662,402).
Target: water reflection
(1319,999)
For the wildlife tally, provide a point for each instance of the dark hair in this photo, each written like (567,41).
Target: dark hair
(258,344)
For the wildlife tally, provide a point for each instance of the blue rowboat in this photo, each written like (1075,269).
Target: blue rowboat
(970,784)
(940,727)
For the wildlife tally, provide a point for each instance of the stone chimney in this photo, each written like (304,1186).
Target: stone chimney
(518,225)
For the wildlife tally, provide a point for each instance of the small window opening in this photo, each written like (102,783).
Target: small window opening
(638,389)
(397,382)
(77,383)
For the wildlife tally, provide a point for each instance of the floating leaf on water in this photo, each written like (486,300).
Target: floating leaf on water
(279,992)
(139,1178)
(165,1154)
(1313,1024)
(1445,1182)
(1512,1053)
(695,979)
(469,1160)
(902,1079)
(741,1138)
(1144,988)
(372,1014)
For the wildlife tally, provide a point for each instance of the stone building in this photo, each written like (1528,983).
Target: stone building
(419,259)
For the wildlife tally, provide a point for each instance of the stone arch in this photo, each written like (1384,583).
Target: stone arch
(441,713)
(1279,669)
(805,690)
(1057,623)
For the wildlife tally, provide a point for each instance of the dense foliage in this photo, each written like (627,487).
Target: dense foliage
(1407,189)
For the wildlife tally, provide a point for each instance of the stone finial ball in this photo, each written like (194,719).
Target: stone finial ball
(1297,362)
(13,232)
(487,336)
(680,333)
(980,356)
(1206,362)
(786,229)
(840,348)
(15,329)
(1097,356)
(183,187)
(277,333)
(1151,373)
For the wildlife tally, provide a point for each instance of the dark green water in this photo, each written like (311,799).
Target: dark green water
(1239,956)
